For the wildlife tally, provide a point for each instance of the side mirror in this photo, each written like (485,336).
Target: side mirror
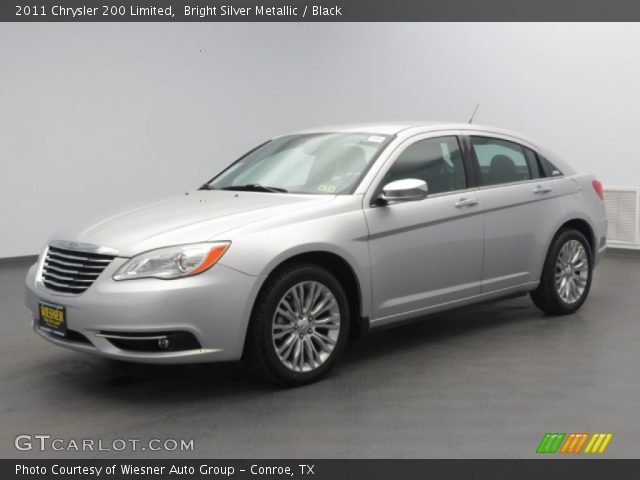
(406,190)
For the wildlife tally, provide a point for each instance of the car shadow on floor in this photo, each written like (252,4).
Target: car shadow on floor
(177,383)
(424,331)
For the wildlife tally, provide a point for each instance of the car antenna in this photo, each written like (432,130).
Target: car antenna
(474,113)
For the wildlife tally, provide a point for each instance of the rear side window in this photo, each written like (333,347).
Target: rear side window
(500,161)
(550,170)
(437,161)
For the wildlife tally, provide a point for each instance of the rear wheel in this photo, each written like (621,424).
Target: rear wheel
(566,276)
(299,326)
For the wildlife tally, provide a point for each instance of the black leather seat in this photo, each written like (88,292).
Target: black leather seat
(501,170)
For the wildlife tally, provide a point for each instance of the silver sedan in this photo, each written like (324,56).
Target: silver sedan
(312,238)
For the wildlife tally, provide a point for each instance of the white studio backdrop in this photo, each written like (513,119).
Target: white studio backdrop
(94,117)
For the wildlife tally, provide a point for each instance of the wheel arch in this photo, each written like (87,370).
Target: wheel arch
(345,274)
(577,223)
(581,225)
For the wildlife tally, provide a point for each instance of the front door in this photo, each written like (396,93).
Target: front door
(429,252)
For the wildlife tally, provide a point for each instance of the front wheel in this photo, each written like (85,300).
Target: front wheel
(566,276)
(299,326)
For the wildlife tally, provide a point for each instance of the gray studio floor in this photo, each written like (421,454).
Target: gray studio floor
(486,381)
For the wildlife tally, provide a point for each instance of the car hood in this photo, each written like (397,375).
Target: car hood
(194,217)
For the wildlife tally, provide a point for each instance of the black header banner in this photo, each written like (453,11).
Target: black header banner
(318,10)
(318,469)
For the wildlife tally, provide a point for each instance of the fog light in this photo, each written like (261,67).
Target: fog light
(163,343)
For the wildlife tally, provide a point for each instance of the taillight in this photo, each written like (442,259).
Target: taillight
(597,186)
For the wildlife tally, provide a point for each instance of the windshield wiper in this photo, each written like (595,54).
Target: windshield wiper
(254,187)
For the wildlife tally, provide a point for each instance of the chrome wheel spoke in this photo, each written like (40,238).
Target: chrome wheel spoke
(328,326)
(282,333)
(321,344)
(579,265)
(579,281)
(327,302)
(287,352)
(286,315)
(570,288)
(309,296)
(286,310)
(286,345)
(325,338)
(306,326)
(308,352)
(297,301)
(314,353)
(297,351)
(333,318)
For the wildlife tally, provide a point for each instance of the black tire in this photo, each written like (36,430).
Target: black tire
(546,296)
(260,351)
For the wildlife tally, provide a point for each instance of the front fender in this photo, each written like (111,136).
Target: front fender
(259,253)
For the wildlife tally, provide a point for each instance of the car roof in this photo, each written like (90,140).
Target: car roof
(398,127)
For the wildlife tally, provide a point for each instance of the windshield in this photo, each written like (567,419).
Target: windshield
(320,163)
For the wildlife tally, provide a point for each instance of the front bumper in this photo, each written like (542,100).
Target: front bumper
(214,307)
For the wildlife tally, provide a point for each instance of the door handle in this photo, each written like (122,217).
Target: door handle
(467,202)
(541,189)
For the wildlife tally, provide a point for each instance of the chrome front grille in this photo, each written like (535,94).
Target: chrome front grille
(72,271)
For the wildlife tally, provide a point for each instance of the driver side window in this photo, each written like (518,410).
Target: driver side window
(437,161)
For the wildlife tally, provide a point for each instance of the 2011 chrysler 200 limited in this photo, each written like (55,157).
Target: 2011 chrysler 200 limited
(312,238)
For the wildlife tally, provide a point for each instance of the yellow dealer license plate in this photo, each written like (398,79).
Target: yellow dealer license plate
(53,318)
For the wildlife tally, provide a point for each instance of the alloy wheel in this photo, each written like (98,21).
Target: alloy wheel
(572,271)
(306,326)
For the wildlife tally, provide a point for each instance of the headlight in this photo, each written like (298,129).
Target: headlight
(173,262)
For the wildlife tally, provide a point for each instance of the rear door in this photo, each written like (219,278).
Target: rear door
(521,208)
(425,253)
